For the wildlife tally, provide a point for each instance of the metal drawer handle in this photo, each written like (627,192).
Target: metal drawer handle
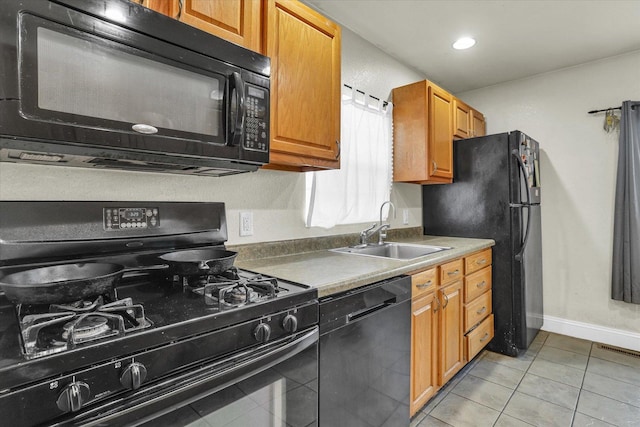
(338,153)
(453,273)
(481,261)
(484,338)
(482,310)
(424,285)
(481,284)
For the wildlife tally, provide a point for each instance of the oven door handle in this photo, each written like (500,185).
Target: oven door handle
(165,396)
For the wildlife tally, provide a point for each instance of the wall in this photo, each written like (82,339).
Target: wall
(578,169)
(275,198)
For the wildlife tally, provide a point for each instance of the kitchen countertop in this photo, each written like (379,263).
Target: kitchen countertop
(332,272)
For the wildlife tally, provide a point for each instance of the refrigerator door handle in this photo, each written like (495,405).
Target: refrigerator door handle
(522,169)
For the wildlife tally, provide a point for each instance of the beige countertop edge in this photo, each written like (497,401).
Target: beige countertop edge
(331,272)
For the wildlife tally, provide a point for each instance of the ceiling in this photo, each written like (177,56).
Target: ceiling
(515,38)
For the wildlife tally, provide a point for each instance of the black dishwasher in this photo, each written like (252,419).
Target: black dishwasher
(365,354)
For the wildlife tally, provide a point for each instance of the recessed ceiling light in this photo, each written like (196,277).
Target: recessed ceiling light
(464,43)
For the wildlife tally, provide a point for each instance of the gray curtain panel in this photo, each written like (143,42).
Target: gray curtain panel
(625,282)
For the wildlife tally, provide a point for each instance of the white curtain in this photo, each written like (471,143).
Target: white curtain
(354,193)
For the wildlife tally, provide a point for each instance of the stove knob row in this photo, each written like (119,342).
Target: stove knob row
(262,332)
(73,396)
(290,323)
(133,376)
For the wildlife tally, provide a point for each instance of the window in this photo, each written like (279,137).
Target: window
(355,193)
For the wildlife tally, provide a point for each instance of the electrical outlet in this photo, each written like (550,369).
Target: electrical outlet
(246,223)
(405,216)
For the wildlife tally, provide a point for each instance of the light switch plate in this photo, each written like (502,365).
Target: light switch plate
(246,223)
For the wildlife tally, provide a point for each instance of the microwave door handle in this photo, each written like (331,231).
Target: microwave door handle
(237,112)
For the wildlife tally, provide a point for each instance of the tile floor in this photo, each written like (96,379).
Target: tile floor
(560,381)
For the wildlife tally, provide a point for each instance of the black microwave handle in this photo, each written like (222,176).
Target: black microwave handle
(235,118)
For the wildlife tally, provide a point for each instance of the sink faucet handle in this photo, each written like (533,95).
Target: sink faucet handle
(364,234)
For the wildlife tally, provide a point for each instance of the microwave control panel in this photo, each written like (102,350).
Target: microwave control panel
(256,133)
(130,218)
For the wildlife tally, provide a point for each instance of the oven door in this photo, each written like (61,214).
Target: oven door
(274,385)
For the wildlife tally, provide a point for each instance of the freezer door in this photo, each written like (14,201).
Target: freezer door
(527,274)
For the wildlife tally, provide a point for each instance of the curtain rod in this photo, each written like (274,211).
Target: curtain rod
(384,103)
(604,109)
(633,107)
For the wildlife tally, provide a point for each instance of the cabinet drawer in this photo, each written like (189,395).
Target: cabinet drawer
(423,282)
(451,271)
(479,337)
(477,310)
(477,261)
(476,284)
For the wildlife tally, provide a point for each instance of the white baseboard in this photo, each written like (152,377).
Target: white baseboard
(615,337)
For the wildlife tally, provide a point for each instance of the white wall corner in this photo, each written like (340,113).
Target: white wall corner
(600,334)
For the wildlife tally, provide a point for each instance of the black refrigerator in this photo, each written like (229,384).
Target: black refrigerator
(495,194)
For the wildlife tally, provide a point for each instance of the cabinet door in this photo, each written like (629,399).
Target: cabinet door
(304,48)
(162,6)
(461,119)
(450,330)
(440,133)
(238,21)
(478,125)
(424,345)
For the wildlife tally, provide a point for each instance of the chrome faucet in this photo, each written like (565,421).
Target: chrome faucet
(380,228)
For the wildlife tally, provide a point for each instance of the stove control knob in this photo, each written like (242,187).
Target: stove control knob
(73,396)
(262,332)
(290,323)
(133,376)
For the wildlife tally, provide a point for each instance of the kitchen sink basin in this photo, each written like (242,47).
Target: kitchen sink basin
(392,250)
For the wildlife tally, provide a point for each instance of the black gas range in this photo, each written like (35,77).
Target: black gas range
(160,340)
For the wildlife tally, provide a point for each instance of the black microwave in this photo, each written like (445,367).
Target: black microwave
(112,84)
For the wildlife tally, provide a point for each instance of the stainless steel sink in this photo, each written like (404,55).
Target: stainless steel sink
(392,250)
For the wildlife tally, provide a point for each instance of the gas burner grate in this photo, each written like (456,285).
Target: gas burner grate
(231,290)
(62,327)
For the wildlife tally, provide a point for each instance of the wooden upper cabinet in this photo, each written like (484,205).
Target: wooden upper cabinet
(304,47)
(423,141)
(461,119)
(478,124)
(162,6)
(238,21)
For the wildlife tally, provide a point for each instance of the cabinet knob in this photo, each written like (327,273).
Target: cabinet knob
(133,376)
(73,396)
(435,166)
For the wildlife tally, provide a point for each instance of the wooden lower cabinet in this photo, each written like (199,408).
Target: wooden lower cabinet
(451,322)
(424,356)
(450,331)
